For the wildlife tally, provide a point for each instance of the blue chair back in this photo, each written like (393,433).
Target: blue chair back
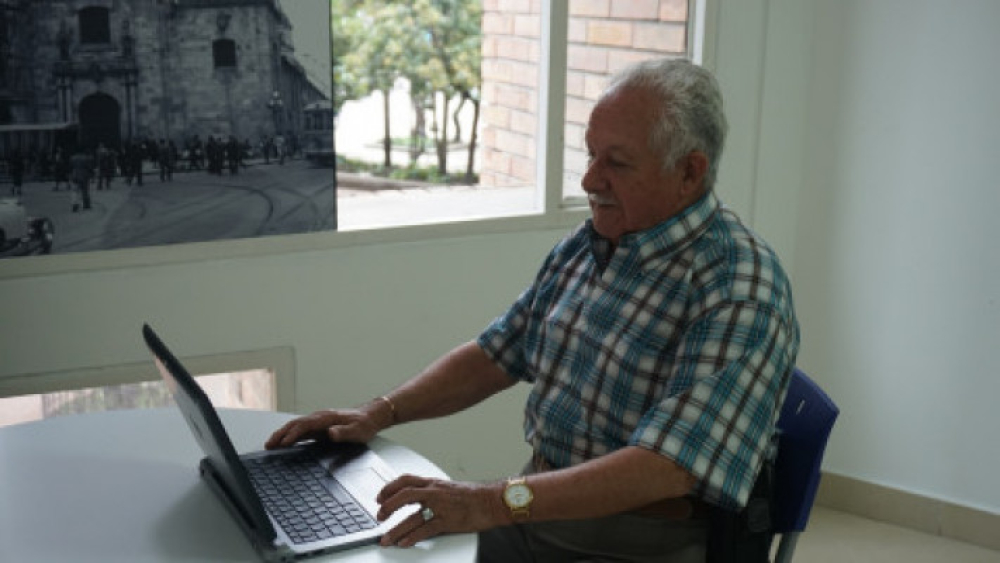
(804,426)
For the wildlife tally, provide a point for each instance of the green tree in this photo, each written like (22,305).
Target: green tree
(434,44)
(373,62)
(450,63)
(343,38)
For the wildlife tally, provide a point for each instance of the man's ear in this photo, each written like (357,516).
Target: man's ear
(695,168)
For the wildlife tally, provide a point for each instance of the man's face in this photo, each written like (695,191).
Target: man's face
(627,186)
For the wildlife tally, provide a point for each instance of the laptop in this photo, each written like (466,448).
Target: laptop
(310,499)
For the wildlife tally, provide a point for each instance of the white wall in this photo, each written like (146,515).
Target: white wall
(897,270)
(862,138)
(360,320)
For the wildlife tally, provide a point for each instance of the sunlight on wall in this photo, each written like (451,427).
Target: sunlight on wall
(253,389)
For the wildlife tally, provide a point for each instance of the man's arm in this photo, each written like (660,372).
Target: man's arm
(624,480)
(461,378)
(627,479)
(458,380)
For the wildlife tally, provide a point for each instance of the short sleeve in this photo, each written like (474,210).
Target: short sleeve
(503,338)
(737,359)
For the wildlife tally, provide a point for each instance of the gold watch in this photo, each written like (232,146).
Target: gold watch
(517,495)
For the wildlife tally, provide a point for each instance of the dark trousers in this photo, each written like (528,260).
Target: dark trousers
(620,538)
(84,188)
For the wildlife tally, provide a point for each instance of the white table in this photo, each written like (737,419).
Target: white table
(124,486)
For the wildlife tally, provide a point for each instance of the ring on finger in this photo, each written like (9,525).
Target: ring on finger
(427,514)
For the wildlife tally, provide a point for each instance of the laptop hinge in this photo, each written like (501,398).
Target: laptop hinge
(276,550)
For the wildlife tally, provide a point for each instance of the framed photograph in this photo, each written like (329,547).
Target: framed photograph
(132,123)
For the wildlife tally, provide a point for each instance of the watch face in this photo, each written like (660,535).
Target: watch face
(517,495)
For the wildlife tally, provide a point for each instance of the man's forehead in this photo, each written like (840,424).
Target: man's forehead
(617,131)
(629,109)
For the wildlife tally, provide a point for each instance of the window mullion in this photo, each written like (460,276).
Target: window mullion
(702,25)
(552,105)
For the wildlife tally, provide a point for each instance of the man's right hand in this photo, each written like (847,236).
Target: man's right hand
(346,425)
(461,378)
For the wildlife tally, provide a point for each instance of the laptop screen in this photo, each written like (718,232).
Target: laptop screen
(207,428)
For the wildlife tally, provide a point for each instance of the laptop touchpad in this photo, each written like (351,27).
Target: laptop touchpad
(364,484)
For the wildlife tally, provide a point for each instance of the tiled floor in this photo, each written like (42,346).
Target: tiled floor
(838,537)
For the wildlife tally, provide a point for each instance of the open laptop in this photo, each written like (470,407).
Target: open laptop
(306,500)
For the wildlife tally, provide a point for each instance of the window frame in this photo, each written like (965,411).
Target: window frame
(281,360)
(551,209)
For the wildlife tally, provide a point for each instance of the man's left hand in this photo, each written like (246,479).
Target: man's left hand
(454,507)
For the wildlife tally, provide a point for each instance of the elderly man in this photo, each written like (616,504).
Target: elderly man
(658,338)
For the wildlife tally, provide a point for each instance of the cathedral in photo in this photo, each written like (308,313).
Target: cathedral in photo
(78,73)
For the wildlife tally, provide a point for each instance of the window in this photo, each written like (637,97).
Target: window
(95,27)
(602,40)
(254,389)
(224,53)
(524,76)
(412,104)
(259,379)
(4,49)
(543,64)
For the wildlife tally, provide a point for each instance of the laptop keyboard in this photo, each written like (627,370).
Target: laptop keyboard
(292,490)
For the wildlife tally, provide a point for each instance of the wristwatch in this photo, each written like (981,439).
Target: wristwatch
(517,496)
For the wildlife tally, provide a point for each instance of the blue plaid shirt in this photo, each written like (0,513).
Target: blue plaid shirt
(680,341)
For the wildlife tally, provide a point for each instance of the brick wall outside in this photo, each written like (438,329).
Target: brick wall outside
(604,36)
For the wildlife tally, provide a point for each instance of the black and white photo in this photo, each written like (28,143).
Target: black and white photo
(127,123)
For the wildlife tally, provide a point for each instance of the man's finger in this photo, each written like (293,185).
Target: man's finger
(425,531)
(403,482)
(399,500)
(343,434)
(278,436)
(393,536)
(293,431)
(410,531)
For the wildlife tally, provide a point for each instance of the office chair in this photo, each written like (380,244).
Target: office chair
(804,426)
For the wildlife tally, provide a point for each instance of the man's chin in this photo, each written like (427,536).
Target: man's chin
(611,232)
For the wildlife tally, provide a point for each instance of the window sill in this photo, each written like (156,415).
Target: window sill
(508,221)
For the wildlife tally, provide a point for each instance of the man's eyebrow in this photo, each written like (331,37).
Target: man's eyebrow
(615,148)
(618,151)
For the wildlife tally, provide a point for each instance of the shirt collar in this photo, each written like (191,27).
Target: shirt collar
(660,241)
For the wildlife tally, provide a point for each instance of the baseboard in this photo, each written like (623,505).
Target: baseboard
(903,508)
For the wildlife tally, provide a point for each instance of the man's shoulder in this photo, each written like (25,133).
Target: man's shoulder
(569,249)
(729,234)
(733,259)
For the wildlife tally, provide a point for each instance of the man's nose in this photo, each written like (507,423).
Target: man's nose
(592,179)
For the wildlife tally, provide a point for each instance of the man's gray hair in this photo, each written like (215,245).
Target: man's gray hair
(691,114)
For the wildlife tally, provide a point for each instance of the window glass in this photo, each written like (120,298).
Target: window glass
(94,25)
(603,38)
(434,121)
(4,49)
(252,389)
(224,53)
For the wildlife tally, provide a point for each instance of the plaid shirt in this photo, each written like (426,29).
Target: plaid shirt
(680,341)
